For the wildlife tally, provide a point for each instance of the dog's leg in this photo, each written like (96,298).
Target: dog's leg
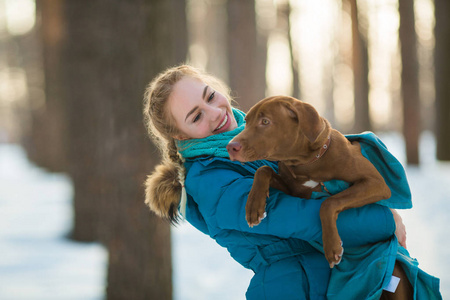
(265,177)
(363,191)
(404,289)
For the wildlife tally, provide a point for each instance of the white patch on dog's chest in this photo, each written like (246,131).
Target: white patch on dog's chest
(311,184)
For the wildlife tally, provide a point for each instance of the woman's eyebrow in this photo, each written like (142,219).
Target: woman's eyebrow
(191,112)
(204,91)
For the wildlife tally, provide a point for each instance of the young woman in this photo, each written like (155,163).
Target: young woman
(189,116)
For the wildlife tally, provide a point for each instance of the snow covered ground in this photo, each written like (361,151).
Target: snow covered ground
(37,262)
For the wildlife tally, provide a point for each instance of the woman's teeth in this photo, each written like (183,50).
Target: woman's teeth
(223,123)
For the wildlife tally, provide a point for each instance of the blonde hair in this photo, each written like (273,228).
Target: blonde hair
(164,185)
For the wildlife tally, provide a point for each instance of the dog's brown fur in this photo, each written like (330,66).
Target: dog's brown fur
(290,131)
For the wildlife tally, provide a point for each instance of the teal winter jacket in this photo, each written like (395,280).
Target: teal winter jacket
(284,250)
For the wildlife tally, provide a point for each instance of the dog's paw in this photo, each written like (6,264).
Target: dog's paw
(333,253)
(255,209)
(254,219)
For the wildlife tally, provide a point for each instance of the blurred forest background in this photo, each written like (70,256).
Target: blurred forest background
(73,74)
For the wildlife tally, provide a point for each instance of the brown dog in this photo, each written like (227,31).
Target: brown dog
(309,152)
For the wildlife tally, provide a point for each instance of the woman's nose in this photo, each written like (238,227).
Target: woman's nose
(215,113)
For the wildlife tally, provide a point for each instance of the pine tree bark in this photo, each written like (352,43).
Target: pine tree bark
(410,81)
(442,78)
(45,143)
(113,50)
(140,253)
(247,54)
(284,25)
(360,73)
(83,70)
(148,36)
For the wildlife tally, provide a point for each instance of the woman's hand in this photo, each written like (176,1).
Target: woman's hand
(400,229)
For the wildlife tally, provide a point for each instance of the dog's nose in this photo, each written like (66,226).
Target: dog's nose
(233,148)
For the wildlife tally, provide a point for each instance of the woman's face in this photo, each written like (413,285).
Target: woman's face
(198,110)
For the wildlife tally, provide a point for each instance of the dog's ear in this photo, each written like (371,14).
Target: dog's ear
(308,118)
(292,112)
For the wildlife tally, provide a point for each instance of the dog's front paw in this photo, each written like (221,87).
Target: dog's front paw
(255,207)
(333,250)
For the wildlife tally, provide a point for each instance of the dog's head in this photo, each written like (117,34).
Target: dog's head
(278,128)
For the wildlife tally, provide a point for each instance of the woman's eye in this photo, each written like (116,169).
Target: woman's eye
(211,96)
(197,117)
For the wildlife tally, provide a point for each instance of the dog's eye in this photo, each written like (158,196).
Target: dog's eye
(265,122)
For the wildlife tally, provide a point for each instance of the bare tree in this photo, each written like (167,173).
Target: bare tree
(112,50)
(40,49)
(83,74)
(246,53)
(442,75)
(140,256)
(410,81)
(360,72)
(284,25)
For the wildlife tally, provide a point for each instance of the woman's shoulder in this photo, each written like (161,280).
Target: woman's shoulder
(215,173)
(211,168)
(202,165)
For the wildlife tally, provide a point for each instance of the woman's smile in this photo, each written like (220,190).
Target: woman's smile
(223,125)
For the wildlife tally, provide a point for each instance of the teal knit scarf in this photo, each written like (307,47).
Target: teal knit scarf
(213,145)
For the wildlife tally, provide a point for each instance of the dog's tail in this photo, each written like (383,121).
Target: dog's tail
(163,191)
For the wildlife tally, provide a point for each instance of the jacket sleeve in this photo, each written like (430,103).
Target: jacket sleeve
(221,195)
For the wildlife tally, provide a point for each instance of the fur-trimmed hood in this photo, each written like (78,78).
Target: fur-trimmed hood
(163,191)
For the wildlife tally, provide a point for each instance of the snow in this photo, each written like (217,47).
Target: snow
(37,261)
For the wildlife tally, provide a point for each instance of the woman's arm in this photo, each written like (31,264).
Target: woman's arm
(221,195)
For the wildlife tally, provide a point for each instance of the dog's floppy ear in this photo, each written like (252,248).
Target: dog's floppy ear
(307,117)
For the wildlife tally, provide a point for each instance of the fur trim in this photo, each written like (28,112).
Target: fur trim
(163,192)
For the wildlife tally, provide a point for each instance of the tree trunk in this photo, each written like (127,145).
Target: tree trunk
(442,78)
(246,54)
(140,254)
(284,24)
(111,56)
(360,73)
(83,67)
(47,143)
(211,33)
(40,114)
(410,81)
